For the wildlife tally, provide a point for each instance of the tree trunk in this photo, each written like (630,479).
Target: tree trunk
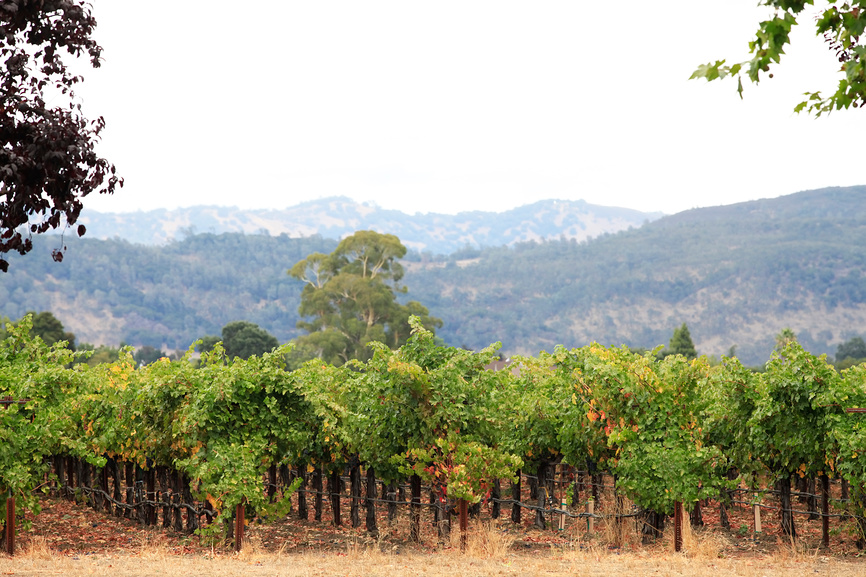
(415,526)
(541,495)
(803,489)
(355,489)
(59,470)
(70,478)
(284,478)
(370,503)
(84,480)
(101,479)
(533,487)
(303,513)
(150,495)
(139,495)
(495,496)
(825,511)
(619,509)
(191,517)
(724,520)
(317,489)
(334,492)
(515,496)
(578,482)
(654,525)
(392,502)
(597,483)
(783,486)
(116,492)
(812,500)
(165,495)
(129,480)
(176,498)
(697,516)
(272,483)
(437,516)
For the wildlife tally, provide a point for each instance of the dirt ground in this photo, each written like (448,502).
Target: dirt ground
(73,539)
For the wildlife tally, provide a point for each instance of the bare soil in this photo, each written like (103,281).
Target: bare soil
(72,539)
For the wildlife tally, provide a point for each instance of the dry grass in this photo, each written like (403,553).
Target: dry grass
(484,540)
(624,532)
(798,551)
(38,548)
(153,547)
(698,544)
(501,550)
(484,557)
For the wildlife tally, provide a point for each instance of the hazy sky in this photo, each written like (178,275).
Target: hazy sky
(448,106)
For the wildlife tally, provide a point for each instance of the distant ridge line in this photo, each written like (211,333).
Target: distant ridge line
(337,217)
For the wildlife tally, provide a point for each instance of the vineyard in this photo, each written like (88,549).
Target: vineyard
(205,447)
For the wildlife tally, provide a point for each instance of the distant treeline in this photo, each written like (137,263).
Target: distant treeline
(736,274)
(165,295)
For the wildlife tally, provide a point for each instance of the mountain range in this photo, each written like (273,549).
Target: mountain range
(737,275)
(338,217)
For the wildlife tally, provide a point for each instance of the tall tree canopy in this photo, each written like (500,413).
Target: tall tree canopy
(47,157)
(49,328)
(350,297)
(681,343)
(853,348)
(244,339)
(785,337)
(851,352)
(148,354)
(840,23)
(241,339)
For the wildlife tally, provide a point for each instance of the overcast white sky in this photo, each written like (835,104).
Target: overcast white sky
(455,105)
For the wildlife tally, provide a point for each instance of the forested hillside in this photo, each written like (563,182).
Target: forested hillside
(107,291)
(736,274)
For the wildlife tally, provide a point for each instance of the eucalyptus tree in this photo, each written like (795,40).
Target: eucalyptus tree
(350,299)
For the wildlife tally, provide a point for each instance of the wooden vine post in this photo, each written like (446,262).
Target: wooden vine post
(757,507)
(464,522)
(10,524)
(563,504)
(678,526)
(590,517)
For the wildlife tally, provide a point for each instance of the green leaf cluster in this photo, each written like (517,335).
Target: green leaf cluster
(840,23)
(668,429)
